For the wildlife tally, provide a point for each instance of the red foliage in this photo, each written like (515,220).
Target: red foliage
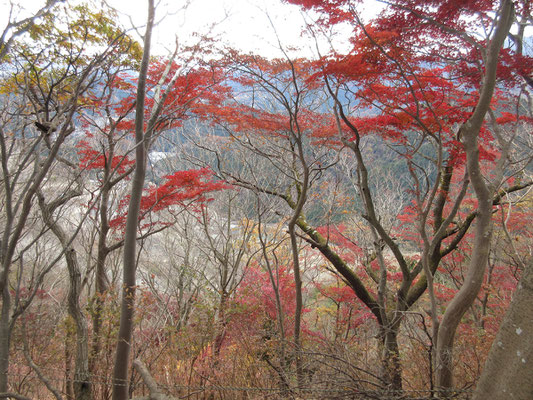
(257,300)
(111,126)
(180,189)
(94,159)
(409,73)
(342,240)
(351,312)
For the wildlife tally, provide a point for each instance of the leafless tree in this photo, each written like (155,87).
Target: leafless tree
(38,116)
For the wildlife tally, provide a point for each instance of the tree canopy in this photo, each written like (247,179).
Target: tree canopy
(222,224)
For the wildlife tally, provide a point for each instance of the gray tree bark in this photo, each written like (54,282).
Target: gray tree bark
(120,371)
(509,366)
(484,193)
(82,378)
(143,137)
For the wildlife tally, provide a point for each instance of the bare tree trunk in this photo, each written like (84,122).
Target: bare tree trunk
(391,366)
(390,358)
(220,325)
(120,372)
(110,180)
(299,306)
(155,392)
(69,385)
(282,369)
(302,198)
(82,378)
(13,230)
(484,193)
(101,285)
(5,339)
(463,300)
(509,366)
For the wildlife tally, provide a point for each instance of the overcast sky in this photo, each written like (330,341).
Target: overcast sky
(248,25)
(241,23)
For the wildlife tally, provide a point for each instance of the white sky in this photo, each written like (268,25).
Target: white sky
(243,24)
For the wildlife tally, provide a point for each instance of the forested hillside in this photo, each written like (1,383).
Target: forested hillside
(215,224)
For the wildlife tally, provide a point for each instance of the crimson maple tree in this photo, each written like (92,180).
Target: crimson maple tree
(415,79)
(409,47)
